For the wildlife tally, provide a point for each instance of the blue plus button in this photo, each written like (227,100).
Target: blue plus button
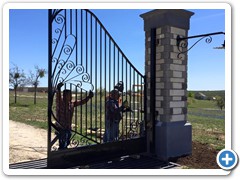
(227,159)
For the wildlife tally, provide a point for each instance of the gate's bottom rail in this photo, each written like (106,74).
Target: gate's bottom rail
(125,162)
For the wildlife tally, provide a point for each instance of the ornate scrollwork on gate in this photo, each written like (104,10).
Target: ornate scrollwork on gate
(67,70)
(84,57)
(78,142)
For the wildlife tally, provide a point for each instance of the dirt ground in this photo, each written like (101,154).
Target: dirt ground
(203,157)
(29,143)
(26,142)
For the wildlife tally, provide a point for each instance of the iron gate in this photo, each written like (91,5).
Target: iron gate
(84,57)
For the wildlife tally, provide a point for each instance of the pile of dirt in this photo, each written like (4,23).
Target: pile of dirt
(203,157)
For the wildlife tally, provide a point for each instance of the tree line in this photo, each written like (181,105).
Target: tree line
(17,78)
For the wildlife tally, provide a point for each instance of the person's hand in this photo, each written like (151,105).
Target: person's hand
(59,85)
(90,94)
(125,104)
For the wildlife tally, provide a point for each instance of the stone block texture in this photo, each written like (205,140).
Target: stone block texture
(171,74)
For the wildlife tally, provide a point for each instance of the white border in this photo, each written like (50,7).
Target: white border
(126,5)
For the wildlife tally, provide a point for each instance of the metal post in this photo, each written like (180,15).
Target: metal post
(49,80)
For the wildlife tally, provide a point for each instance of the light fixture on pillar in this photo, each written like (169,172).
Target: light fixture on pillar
(182,43)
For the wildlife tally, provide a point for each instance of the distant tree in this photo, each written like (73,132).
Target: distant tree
(220,102)
(33,79)
(16,78)
(191,94)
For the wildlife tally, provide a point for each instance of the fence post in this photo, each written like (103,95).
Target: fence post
(168,132)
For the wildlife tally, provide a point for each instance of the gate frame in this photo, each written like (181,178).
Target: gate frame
(93,153)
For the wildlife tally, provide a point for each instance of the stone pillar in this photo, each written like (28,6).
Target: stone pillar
(169,135)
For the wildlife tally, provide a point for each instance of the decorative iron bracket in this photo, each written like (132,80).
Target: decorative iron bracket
(182,43)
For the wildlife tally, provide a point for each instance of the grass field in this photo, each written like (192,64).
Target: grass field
(208,121)
(25,111)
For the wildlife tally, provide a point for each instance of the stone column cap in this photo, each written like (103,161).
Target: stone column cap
(173,17)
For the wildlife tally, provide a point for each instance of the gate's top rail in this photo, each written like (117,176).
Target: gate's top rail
(56,12)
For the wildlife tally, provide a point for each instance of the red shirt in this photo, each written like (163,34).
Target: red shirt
(64,111)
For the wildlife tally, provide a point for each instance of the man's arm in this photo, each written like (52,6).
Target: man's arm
(83,101)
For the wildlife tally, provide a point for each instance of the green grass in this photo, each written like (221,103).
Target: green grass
(26,112)
(208,123)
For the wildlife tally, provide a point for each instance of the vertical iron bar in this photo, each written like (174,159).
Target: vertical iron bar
(109,65)
(76,23)
(118,65)
(118,81)
(86,114)
(142,96)
(75,127)
(50,94)
(81,37)
(138,102)
(153,87)
(130,98)
(126,124)
(105,75)
(81,127)
(65,110)
(100,83)
(141,100)
(86,41)
(95,76)
(134,96)
(65,13)
(81,53)
(70,21)
(122,100)
(145,105)
(91,74)
(76,96)
(114,64)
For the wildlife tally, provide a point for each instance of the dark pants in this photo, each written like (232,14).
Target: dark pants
(115,130)
(111,131)
(108,135)
(64,138)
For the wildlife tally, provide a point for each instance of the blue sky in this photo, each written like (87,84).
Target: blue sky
(206,66)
